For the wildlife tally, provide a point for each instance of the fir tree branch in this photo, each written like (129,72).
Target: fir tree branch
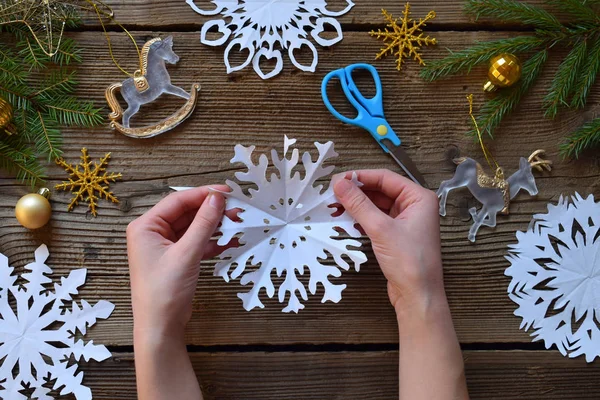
(583,138)
(580,10)
(492,112)
(587,77)
(70,111)
(466,59)
(513,11)
(565,78)
(56,84)
(16,157)
(46,135)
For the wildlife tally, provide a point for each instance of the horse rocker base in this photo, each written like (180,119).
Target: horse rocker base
(147,84)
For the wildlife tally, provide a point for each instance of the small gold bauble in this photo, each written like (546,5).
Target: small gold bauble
(6,116)
(505,70)
(33,210)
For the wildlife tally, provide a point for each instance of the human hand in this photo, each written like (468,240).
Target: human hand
(401,219)
(165,247)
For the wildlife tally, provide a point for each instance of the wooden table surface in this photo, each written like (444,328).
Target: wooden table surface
(332,351)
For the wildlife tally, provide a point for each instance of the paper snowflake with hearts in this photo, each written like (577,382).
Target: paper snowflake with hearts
(263,27)
(555,270)
(286,226)
(28,337)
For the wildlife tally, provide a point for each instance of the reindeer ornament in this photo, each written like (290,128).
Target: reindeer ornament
(494,193)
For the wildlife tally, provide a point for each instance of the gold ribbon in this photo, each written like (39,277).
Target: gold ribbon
(488,155)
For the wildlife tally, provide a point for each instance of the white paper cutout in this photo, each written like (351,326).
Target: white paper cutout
(286,227)
(262,27)
(555,270)
(25,336)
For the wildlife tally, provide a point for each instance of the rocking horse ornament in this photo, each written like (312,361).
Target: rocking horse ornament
(146,85)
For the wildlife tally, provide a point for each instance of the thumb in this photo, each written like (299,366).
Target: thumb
(195,240)
(356,202)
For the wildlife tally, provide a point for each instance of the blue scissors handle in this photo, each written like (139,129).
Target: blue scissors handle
(369,110)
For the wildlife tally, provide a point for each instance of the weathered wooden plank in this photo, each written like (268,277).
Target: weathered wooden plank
(240,108)
(522,375)
(177,14)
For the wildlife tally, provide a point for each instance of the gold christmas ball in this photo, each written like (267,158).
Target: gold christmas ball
(505,70)
(6,113)
(33,210)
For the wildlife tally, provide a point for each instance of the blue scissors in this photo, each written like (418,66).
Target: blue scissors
(370,116)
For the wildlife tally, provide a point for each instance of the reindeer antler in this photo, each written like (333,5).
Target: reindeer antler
(539,163)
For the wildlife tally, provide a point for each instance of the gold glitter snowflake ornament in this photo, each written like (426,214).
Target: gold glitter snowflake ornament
(89,183)
(407,39)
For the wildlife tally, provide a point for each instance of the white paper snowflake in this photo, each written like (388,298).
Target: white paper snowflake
(28,337)
(555,270)
(262,27)
(286,225)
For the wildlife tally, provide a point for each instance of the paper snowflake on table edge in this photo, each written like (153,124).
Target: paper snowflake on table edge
(35,333)
(402,37)
(290,34)
(552,236)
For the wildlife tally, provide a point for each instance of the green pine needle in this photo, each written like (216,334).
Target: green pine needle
(587,76)
(586,137)
(40,88)
(17,158)
(513,11)
(573,79)
(494,111)
(566,75)
(465,60)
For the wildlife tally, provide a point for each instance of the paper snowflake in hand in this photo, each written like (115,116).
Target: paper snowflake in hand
(286,226)
(405,38)
(28,336)
(555,270)
(263,27)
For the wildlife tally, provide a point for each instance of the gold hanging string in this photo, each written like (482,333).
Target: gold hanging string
(41,16)
(110,15)
(488,156)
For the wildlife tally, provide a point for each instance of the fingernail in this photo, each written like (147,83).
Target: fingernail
(215,201)
(343,187)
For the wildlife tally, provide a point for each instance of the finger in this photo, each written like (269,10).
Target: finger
(175,205)
(356,202)
(193,243)
(395,186)
(181,226)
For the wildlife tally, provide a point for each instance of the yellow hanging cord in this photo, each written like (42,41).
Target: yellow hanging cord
(110,15)
(488,156)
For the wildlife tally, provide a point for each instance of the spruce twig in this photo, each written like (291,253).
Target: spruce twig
(566,75)
(513,11)
(583,138)
(573,79)
(40,89)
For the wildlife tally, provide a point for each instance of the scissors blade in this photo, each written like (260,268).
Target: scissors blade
(407,164)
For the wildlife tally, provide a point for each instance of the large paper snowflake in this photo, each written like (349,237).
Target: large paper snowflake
(555,270)
(262,27)
(286,226)
(29,336)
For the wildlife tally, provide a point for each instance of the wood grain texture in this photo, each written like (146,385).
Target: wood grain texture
(177,14)
(240,108)
(491,375)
